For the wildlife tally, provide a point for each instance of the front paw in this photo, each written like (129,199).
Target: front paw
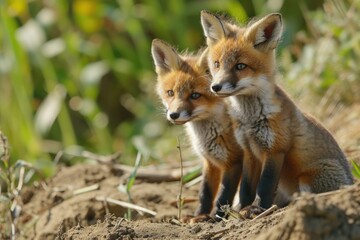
(196,219)
(251,211)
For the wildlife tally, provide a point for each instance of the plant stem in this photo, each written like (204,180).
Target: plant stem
(180,199)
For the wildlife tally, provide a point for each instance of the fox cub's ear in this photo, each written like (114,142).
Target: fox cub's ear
(203,59)
(213,27)
(165,56)
(265,34)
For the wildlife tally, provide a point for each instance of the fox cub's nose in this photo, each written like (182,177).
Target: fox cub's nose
(216,87)
(174,115)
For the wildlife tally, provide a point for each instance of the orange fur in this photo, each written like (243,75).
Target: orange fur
(183,84)
(282,145)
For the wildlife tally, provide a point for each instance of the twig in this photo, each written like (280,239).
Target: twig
(266,212)
(118,223)
(175,222)
(221,218)
(127,205)
(13,231)
(221,231)
(230,212)
(179,198)
(86,189)
(58,156)
(103,159)
(107,159)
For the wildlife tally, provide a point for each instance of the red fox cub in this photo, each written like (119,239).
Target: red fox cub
(283,147)
(183,84)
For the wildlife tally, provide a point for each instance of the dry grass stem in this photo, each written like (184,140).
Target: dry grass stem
(193,182)
(266,212)
(180,198)
(103,159)
(86,189)
(127,205)
(21,179)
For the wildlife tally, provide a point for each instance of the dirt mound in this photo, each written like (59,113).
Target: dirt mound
(332,215)
(62,210)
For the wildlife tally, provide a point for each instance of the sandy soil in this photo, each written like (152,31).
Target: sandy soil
(55,212)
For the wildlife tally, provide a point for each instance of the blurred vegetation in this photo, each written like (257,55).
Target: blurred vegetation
(328,55)
(78,75)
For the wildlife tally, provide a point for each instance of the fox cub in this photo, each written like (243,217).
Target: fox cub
(183,84)
(283,147)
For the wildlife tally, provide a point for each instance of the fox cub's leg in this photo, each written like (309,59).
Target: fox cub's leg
(209,188)
(269,179)
(250,178)
(229,187)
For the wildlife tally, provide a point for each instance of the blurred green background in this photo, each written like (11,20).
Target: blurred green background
(78,75)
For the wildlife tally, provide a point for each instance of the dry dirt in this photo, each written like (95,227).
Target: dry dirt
(52,211)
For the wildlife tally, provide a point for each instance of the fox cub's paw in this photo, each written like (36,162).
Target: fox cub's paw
(251,211)
(196,219)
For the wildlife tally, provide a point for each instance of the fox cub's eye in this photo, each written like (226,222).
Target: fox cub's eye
(195,95)
(216,64)
(240,66)
(170,93)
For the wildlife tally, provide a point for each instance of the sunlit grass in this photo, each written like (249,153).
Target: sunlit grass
(80,73)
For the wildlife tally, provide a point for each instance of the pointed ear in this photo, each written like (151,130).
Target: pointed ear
(213,27)
(265,34)
(203,59)
(165,56)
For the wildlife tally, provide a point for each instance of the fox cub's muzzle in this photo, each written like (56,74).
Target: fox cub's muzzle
(179,117)
(216,88)
(174,115)
(223,89)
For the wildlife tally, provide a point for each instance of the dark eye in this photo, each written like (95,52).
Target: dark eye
(207,71)
(216,64)
(195,95)
(170,93)
(240,66)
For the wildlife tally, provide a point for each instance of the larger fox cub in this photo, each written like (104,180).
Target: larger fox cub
(183,84)
(283,147)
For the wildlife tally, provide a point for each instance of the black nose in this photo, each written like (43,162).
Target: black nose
(174,115)
(216,87)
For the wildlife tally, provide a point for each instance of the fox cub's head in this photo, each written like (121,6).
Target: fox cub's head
(183,84)
(241,59)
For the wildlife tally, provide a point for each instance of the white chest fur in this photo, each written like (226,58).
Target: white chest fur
(252,115)
(208,139)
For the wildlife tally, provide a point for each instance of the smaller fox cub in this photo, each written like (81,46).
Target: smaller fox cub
(183,84)
(283,147)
